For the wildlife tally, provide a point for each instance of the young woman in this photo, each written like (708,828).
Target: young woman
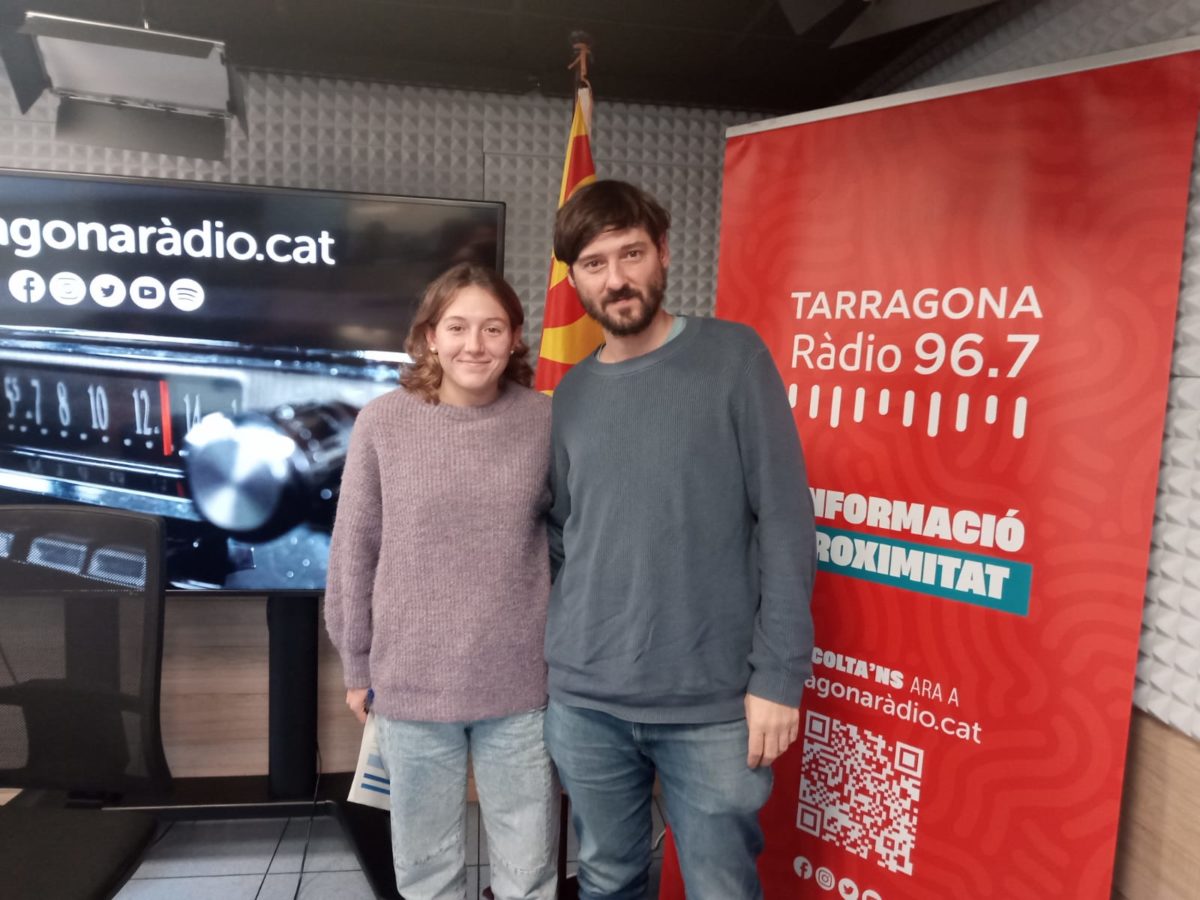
(437,590)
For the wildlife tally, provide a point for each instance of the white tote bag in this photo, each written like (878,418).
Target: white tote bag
(371,786)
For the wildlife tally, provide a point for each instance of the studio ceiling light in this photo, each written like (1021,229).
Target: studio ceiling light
(126,87)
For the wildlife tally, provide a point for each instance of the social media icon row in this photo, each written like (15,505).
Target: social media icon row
(69,289)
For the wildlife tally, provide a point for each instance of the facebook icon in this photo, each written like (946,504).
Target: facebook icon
(26,286)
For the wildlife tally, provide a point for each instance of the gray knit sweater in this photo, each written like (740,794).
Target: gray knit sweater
(438,571)
(684,526)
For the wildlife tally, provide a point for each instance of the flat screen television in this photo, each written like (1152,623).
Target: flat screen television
(200,352)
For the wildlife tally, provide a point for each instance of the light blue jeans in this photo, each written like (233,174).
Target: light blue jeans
(607,766)
(518,798)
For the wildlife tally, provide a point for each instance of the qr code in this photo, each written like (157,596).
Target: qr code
(860,793)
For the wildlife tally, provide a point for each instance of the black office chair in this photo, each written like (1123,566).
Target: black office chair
(81,606)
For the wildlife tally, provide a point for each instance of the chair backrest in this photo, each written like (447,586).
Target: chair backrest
(81,613)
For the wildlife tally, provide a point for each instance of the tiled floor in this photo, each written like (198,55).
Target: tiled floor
(259,859)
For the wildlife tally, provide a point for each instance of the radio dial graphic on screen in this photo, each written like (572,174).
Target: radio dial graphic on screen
(256,475)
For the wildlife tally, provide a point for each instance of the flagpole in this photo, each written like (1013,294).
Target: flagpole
(568,334)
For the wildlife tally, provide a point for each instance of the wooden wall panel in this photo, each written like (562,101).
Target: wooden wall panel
(214,692)
(1158,851)
(338,732)
(214,686)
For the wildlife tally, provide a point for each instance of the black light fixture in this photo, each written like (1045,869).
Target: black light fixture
(883,16)
(126,87)
(858,20)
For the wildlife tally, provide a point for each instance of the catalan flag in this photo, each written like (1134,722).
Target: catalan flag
(568,335)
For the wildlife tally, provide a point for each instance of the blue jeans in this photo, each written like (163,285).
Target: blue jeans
(607,766)
(518,798)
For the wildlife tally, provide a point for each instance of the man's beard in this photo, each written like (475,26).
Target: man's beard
(651,302)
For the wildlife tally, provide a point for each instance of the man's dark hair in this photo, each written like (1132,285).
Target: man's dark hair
(605,206)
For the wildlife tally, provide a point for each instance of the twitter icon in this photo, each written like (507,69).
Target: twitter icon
(107,290)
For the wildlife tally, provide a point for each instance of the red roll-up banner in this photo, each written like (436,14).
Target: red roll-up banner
(971,296)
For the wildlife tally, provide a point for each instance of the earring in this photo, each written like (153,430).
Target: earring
(433,350)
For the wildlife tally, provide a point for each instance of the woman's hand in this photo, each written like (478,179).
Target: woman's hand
(356,699)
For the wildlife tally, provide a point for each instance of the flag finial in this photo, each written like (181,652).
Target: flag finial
(581,44)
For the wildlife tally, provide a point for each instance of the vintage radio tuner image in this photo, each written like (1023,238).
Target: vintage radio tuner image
(200,352)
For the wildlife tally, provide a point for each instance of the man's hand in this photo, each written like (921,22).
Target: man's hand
(773,728)
(356,699)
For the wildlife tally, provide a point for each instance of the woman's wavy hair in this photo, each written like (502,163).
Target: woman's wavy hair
(424,375)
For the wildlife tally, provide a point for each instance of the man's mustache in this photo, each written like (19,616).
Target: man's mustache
(625,293)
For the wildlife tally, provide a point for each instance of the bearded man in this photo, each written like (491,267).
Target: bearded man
(679,633)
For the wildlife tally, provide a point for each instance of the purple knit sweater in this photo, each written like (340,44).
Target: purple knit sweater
(438,570)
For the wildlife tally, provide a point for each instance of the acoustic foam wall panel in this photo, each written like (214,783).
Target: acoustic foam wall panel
(379,138)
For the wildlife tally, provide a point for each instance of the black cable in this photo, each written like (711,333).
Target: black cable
(154,843)
(271,861)
(11,673)
(311,815)
(307,837)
